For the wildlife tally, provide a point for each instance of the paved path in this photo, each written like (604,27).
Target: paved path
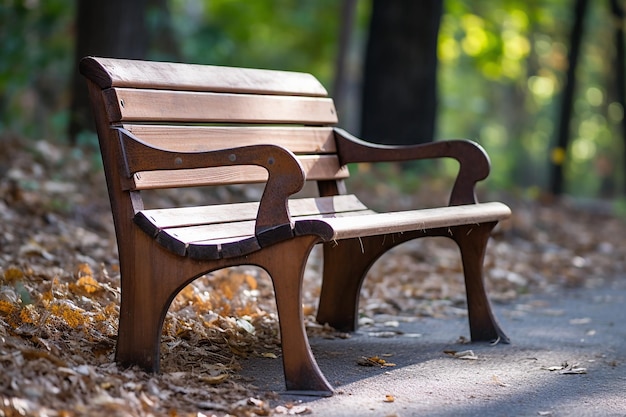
(581,331)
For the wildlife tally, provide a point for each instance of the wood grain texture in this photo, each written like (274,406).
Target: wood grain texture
(241,212)
(345,216)
(423,219)
(315,168)
(107,72)
(163,106)
(298,139)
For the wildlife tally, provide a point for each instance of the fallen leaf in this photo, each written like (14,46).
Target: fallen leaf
(213,380)
(573,371)
(293,410)
(464,354)
(246,325)
(584,320)
(496,379)
(462,340)
(373,361)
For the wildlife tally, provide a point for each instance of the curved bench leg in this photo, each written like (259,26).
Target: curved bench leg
(142,310)
(139,333)
(151,277)
(472,241)
(285,262)
(346,264)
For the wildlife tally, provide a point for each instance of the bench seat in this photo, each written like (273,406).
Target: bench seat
(213,232)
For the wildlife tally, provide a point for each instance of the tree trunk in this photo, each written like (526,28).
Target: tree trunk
(559,152)
(620,70)
(348,10)
(399,88)
(112,28)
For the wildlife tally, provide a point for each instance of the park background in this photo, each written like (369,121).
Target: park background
(497,72)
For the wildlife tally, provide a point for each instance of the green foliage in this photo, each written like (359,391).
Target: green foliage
(281,34)
(35,64)
(502,69)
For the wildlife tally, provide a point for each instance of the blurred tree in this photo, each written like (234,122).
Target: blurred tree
(558,153)
(348,11)
(164,44)
(501,70)
(113,28)
(620,82)
(399,87)
(36,40)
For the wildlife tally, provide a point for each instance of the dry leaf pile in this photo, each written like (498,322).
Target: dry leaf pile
(59,295)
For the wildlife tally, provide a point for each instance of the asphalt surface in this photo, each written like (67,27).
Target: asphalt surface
(567,358)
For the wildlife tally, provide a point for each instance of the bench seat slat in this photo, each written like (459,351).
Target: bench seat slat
(219,233)
(316,167)
(298,139)
(214,233)
(228,213)
(127,104)
(403,221)
(210,232)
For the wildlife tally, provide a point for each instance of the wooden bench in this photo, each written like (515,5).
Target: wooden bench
(163,125)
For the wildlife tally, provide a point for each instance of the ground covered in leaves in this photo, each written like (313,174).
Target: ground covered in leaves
(59,293)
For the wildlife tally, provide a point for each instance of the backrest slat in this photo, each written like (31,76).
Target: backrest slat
(127,104)
(300,140)
(108,72)
(316,167)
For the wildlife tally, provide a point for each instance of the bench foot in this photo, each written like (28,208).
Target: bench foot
(148,286)
(139,334)
(285,262)
(472,242)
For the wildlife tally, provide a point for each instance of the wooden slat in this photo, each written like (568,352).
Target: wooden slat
(214,234)
(186,216)
(398,222)
(316,168)
(211,232)
(198,177)
(299,140)
(126,104)
(108,72)
(323,167)
(325,205)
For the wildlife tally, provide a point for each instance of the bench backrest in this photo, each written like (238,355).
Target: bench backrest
(186,107)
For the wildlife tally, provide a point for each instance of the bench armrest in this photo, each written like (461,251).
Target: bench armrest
(473,161)
(285,174)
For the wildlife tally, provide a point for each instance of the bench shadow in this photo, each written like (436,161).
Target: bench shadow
(344,360)
(505,380)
